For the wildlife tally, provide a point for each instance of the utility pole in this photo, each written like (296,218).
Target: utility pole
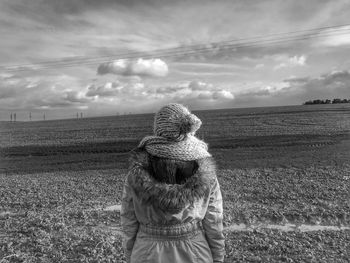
(14,116)
(11,117)
(30,116)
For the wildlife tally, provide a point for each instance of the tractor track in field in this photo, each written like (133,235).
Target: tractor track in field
(52,150)
(258,226)
(117,230)
(286,227)
(123,147)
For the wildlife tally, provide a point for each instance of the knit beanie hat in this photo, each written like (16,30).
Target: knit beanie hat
(174,121)
(174,130)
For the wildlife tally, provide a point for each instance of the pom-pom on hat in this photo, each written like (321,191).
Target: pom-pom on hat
(174,121)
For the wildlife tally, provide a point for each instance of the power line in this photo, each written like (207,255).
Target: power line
(194,49)
(264,43)
(317,31)
(184,50)
(179,52)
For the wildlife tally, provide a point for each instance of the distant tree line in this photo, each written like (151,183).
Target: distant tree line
(327,101)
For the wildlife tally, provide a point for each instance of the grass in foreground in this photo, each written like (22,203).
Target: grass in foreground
(58,216)
(314,195)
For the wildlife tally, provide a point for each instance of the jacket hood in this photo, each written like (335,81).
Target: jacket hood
(169,197)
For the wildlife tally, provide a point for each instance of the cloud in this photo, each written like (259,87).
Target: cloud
(198,85)
(263,90)
(297,61)
(223,94)
(38,92)
(335,84)
(117,89)
(326,82)
(5,75)
(286,61)
(76,97)
(107,90)
(258,66)
(338,77)
(139,67)
(200,94)
(195,90)
(296,81)
(334,39)
(330,85)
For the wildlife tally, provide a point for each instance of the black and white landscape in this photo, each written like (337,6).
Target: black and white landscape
(80,81)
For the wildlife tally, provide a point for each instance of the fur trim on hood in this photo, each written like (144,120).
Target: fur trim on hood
(169,197)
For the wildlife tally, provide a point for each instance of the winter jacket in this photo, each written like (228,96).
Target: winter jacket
(165,223)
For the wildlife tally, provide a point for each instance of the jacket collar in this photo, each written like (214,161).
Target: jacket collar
(169,197)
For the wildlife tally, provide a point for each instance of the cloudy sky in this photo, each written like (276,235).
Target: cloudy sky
(115,56)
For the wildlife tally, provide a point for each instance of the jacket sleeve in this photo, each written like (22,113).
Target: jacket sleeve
(129,221)
(213,224)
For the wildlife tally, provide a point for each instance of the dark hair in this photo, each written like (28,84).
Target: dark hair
(171,171)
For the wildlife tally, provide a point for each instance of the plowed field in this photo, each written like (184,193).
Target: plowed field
(278,166)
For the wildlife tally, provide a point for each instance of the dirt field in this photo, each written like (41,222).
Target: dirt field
(278,167)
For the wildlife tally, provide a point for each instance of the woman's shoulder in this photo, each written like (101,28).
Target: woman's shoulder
(207,163)
(207,167)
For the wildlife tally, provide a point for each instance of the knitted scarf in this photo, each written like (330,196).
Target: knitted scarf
(188,149)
